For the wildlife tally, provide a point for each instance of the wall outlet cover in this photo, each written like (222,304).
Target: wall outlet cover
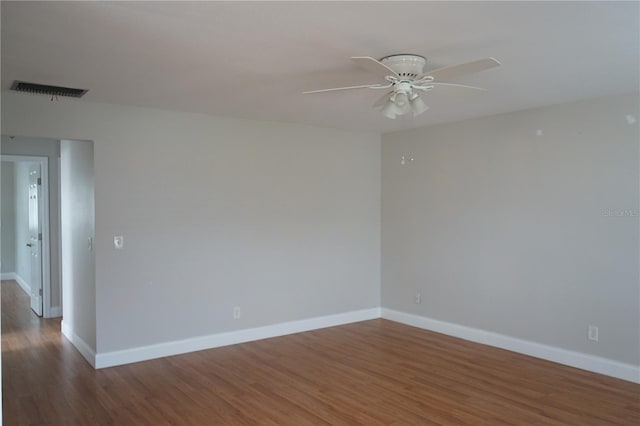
(592,333)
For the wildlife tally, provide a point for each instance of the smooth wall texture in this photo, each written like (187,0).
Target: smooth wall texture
(524,224)
(7,219)
(77,219)
(281,220)
(22,237)
(42,148)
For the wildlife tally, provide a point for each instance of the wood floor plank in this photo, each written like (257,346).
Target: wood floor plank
(369,373)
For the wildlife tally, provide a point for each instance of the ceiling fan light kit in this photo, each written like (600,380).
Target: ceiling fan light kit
(405,77)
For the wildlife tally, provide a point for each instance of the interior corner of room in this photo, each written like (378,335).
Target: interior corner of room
(155,231)
(502,234)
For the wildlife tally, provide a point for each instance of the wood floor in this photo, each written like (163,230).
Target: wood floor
(369,373)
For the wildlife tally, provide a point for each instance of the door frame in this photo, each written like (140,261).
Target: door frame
(43,207)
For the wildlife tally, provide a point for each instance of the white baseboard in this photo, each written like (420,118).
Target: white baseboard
(580,360)
(82,346)
(126,356)
(8,276)
(562,356)
(23,284)
(55,312)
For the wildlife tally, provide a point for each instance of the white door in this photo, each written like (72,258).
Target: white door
(35,237)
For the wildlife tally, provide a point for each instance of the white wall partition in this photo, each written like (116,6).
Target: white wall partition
(281,220)
(78,231)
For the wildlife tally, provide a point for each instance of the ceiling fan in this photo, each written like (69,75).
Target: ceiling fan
(404,76)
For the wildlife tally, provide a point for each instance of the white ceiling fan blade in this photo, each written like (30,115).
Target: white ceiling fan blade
(335,89)
(454,71)
(429,86)
(374,66)
(437,83)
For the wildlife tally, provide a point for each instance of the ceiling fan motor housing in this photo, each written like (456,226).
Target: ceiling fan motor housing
(405,65)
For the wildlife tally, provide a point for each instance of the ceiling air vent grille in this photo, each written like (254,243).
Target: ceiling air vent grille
(44,89)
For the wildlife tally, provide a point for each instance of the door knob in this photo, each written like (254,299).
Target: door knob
(28,245)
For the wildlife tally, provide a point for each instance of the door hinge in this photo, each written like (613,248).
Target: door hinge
(39,181)
(40,292)
(40,236)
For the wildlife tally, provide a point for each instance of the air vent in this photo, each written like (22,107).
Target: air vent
(43,89)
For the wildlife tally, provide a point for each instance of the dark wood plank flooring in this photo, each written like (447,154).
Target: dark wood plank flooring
(369,373)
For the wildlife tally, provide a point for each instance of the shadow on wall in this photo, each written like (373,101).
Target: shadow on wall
(77,218)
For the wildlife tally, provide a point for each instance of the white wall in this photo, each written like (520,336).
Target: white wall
(22,237)
(43,148)
(282,220)
(78,226)
(7,220)
(498,228)
(531,236)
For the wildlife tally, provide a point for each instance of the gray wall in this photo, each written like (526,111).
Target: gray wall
(532,236)
(7,220)
(282,220)
(43,148)
(78,226)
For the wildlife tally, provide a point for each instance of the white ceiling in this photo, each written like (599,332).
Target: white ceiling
(253,60)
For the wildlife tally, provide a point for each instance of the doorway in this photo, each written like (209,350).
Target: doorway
(25,228)
(17,151)
(67,232)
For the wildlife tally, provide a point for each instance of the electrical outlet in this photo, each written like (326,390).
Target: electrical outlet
(236,312)
(418,298)
(592,333)
(404,160)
